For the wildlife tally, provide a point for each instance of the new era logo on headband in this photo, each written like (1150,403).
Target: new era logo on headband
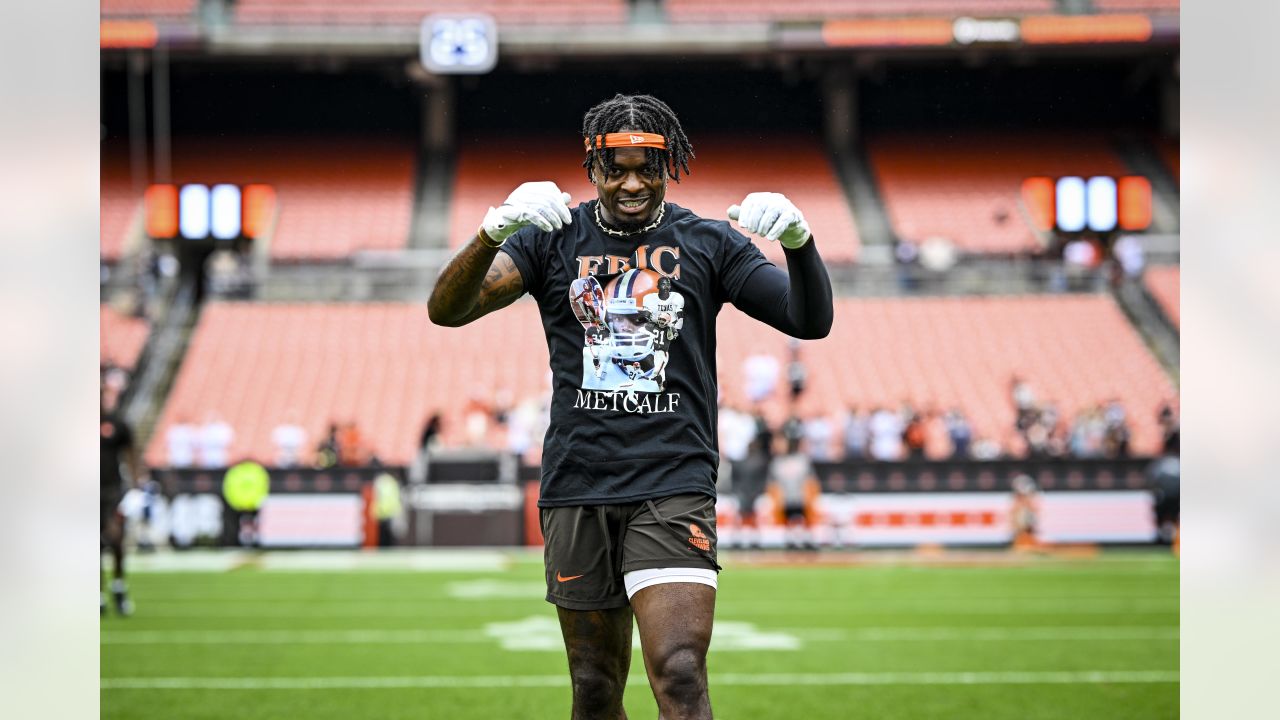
(622,139)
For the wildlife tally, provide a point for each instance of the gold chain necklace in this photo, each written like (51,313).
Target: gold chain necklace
(662,210)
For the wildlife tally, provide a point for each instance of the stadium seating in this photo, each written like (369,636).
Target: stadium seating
(939,353)
(411,12)
(154,9)
(966,188)
(336,195)
(487,171)
(1163,284)
(1136,6)
(767,10)
(385,366)
(120,205)
(120,338)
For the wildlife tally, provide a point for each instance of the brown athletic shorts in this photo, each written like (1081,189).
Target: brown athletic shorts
(589,548)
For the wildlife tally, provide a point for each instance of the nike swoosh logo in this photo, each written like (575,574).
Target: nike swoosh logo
(561,578)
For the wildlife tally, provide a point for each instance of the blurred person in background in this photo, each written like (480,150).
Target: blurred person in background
(180,442)
(794,488)
(796,372)
(1024,512)
(213,441)
(817,436)
(476,415)
(760,376)
(1024,402)
(886,434)
(289,438)
(628,480)
(327,450)
(986,448)
(856,433)
(353,450)
(1117,434)
(959,432)
(116,447)
(1170,431)
(386,503)
(1164,476)
(750,478)
(913,435)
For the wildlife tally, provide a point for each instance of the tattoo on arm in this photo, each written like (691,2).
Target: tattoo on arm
(477,281)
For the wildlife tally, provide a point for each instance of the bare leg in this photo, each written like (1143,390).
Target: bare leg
(675,632)
(599,646)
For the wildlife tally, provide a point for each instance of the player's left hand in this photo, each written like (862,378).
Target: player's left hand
(773,216)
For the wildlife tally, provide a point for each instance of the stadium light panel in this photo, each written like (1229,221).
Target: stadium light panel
(1100,203)
(1134,200)
(194,211)
(259,205)
(161,203)
(1037,195)
(224,207)
(1070,201)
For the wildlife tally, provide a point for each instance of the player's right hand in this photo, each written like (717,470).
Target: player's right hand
(533,203)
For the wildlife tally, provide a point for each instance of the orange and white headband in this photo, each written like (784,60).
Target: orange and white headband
(627,139)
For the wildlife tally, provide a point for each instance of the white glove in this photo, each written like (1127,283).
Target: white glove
(537,203)
(773,216)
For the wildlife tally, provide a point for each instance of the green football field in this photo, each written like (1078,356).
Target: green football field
(467,635)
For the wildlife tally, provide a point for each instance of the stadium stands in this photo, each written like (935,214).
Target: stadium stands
(487,171)
(767,10)
(385,366)
(154,9)
(120,338)
(966,188)
(120,205)
(939,353)
(1137,6)
(1163,284)
(411,12)
(336,195)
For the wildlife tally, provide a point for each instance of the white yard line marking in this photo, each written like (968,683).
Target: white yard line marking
(416,637)
(991,634)
(781,679)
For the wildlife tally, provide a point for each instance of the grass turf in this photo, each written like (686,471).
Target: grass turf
(1046,639)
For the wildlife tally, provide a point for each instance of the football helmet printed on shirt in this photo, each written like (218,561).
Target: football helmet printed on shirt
(626,315)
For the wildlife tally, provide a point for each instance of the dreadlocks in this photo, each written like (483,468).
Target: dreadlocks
(643,113)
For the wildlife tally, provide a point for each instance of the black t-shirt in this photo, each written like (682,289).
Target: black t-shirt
(614,437)
(116,440)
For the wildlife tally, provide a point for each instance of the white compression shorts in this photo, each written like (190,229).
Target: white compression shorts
(637,580)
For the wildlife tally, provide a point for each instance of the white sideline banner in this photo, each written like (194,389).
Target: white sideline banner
(312,520)
(907,519)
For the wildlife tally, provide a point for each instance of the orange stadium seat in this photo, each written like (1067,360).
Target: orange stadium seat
(411,12)
(768,10)
(939,353)
(387,367)
(488,170)
(148,8)
(120,338)
(120,205)
(965,188)
(336,195)
(1163,282)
